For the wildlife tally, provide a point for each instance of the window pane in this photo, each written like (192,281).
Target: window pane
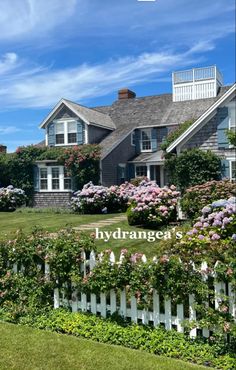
(55,184)
(72,138)
(43,173)
(60,128)
(55,172)
(233,165)
(60,139)
(232,117)
(146,140)
(67,184)
(141,171)
(72,127)
(43,184)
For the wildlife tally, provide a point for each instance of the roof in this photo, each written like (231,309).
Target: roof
(150,157)
(90,116)
(151,111)
(203,118)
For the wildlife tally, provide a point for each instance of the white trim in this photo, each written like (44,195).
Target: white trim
(132,137)
(65,122)
(148,131)
(78,114)
(49,179)
(231,159)
(209,113)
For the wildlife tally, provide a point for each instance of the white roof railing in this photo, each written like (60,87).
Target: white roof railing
(196,83)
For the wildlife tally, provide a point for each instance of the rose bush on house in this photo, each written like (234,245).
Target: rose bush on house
(11,198)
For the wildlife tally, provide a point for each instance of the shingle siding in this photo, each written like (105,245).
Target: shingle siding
(96,134)
(121,154)
(52,199)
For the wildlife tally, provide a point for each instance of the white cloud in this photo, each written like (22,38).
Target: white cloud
(27,18)
(8,62)
(9,130)
(43,88)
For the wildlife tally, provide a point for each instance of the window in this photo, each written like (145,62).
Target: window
(146,144)
(55,178)
(72,132)
(140,171)
(133,138)
(232,117)
(67,180)
(43,178)
(60,137)
(233,170)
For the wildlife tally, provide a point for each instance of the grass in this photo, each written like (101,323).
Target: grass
(54,220)
(23,348)
(48,220)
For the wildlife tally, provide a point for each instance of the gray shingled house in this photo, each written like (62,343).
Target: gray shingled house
(131,130)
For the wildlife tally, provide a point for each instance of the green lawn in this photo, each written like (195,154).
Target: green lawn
(27,220)
(23,348)
(10,222)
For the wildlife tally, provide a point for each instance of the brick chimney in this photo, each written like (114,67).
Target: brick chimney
(3,149)
(126,94)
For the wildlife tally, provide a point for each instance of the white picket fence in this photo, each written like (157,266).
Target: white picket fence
(161,313)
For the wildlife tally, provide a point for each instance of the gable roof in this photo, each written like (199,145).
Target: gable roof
(150,111)
(88,115)
(203,119)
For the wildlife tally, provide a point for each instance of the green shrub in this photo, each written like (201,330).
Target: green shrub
(176,133)
(192,167)
(215,352)
(196,197)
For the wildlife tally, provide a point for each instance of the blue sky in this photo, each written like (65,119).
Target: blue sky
(87,49)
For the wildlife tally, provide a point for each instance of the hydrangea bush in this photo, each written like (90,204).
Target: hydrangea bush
(101,199)
(196,197)
(152,206)
(213,235)
(11,198)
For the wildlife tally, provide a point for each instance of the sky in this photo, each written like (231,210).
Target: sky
(86,50)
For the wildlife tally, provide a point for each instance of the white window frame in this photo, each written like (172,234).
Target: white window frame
(140,165)
(66,132)
(231,168)
(133,138)
(49,180)
(149,133)
(231,108)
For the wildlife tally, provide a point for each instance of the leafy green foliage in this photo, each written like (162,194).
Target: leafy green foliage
(215,352)
(196,197)
(176,133)
(17,168)
(231,135)
(192,167)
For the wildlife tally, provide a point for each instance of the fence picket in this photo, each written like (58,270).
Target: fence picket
(134,310)
(112,301)
(74,303)
(232,302)
(84,302)
(180,318)
(93,300)
(92,260)
(56,298)
(168,318)
(192,315)
(103,304)
(156,308)
(123,303)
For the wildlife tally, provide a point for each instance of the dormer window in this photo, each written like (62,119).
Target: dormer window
(146,143)
(66,132)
